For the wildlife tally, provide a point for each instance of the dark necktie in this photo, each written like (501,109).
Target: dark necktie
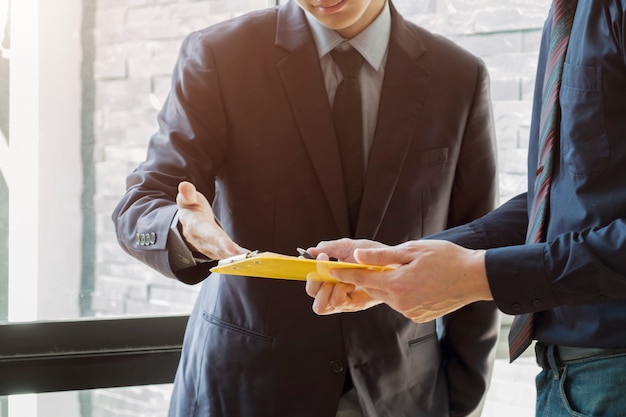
(348,119)
(520,335)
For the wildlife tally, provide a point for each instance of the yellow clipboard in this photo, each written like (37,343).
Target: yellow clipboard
(275,265)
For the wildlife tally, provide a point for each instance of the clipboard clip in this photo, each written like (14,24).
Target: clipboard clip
(236,258)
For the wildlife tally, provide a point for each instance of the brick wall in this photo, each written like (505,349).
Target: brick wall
(136,44)
(135,47)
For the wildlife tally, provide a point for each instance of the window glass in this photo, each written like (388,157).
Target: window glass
(74,121)
(148,401)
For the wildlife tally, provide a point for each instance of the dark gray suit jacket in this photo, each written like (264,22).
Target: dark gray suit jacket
(249,123)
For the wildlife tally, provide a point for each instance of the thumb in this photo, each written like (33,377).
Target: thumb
(382,256)
(186,195)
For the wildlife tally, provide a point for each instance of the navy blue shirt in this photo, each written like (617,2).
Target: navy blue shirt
(576,281)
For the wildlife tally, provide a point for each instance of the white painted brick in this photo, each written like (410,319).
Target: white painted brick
(528,87)
(177,293)
(516,112)
(512,184)
(191,10)
(449,25)
(110,68)
(524,136)
(165,47)
(147,67)
(528,6)
(491,44)
(161,86)
(113,4)
(121,287)
(109,26)
(524,63)
(126,153)
(531,40)
(149,31)
(505,88)
(507,136)
(513,160)
(123,119)
(501,19)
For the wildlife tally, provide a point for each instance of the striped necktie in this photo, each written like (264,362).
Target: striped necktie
(563,11)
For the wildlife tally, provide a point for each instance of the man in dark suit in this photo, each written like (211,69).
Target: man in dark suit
(567,290)
(247,135)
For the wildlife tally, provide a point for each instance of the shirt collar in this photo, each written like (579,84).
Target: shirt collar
(371,42)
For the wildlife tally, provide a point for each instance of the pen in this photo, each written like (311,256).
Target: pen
(307,255)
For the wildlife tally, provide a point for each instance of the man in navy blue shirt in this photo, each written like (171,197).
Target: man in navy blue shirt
(574,283)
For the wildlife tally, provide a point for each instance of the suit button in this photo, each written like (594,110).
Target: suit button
(336,366)
(143,239)
(152,238)
(538,303)
(516,307)
(137,239)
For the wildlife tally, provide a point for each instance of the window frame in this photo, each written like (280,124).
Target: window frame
(38,357)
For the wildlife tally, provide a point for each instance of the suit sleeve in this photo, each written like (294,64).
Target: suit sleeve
(576,268)
(189,146)
(469,335)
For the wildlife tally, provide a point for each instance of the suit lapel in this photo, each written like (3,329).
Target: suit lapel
(402,99)
(303,81)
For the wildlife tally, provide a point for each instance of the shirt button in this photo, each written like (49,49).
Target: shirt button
(336,366)
(516,307)
(538,303)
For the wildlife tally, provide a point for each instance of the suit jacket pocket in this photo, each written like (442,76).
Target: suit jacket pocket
(428,157)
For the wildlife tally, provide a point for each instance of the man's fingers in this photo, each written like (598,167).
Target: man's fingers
(321,304)
(341,249)
(395,255)
(353,276)
(313,286)
(339,295)
(186,194)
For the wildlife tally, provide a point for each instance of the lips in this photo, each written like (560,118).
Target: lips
(330,7)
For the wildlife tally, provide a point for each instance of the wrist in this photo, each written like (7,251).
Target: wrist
(482,289)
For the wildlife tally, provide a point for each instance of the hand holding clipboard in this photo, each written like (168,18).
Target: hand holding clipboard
(278,266)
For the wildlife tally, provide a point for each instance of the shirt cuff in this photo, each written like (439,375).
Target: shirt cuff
(180,256)
(518,280)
